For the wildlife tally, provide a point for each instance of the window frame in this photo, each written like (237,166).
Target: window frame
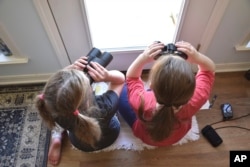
(132,50)
(126,48)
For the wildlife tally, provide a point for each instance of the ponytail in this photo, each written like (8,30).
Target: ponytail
(84,127)
(161,124)
(163,121)
(87,129)
(44,113)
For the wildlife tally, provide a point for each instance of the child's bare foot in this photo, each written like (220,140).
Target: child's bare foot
(55,151)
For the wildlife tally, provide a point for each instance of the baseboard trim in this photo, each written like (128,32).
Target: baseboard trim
(233,67)
(24,79)
(43,78)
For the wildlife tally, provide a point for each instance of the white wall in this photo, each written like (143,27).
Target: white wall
(24,26)
(196,19)
(232,29)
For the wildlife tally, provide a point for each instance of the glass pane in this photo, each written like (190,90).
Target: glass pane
(248,44)
(4,48)
(131,23)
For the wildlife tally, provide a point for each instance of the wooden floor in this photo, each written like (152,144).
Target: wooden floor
(230,88)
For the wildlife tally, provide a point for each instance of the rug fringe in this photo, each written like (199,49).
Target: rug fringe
(192,135)
(137,146)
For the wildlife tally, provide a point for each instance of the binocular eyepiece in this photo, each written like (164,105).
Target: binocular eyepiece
(171,49)
(95,55)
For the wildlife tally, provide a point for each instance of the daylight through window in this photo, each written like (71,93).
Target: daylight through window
(123,24)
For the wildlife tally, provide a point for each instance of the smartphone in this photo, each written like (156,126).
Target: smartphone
(227,111)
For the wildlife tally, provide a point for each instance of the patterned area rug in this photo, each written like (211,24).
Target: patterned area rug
(24,138)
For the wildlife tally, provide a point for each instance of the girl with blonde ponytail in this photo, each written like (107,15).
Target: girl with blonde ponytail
(68,103)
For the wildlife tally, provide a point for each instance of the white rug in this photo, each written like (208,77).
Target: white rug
(126,139)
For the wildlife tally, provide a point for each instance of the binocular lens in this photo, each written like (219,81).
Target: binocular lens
(105,59)
(94,52)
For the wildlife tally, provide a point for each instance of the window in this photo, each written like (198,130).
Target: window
(248,44)
(9,54)
(131,24)
(4,49)
(244,44)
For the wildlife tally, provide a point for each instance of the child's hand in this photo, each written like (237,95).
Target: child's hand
(152,51)
(189,50)
(98,72)
(204,63)
(80,63)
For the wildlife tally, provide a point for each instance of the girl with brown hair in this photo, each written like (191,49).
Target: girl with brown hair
(162,116)
(68,103)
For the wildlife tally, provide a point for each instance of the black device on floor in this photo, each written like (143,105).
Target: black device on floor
(211,135)
(227,111)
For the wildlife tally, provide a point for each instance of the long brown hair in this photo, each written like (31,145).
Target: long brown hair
(173,83)
(66,91)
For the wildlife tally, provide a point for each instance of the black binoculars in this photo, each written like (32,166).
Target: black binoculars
(95,55)
(171,49)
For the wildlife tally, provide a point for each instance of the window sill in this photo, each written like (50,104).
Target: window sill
(244,45)
(12,59)
(242,48)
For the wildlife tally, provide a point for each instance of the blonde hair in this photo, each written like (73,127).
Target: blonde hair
(173,84)
(65,92)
